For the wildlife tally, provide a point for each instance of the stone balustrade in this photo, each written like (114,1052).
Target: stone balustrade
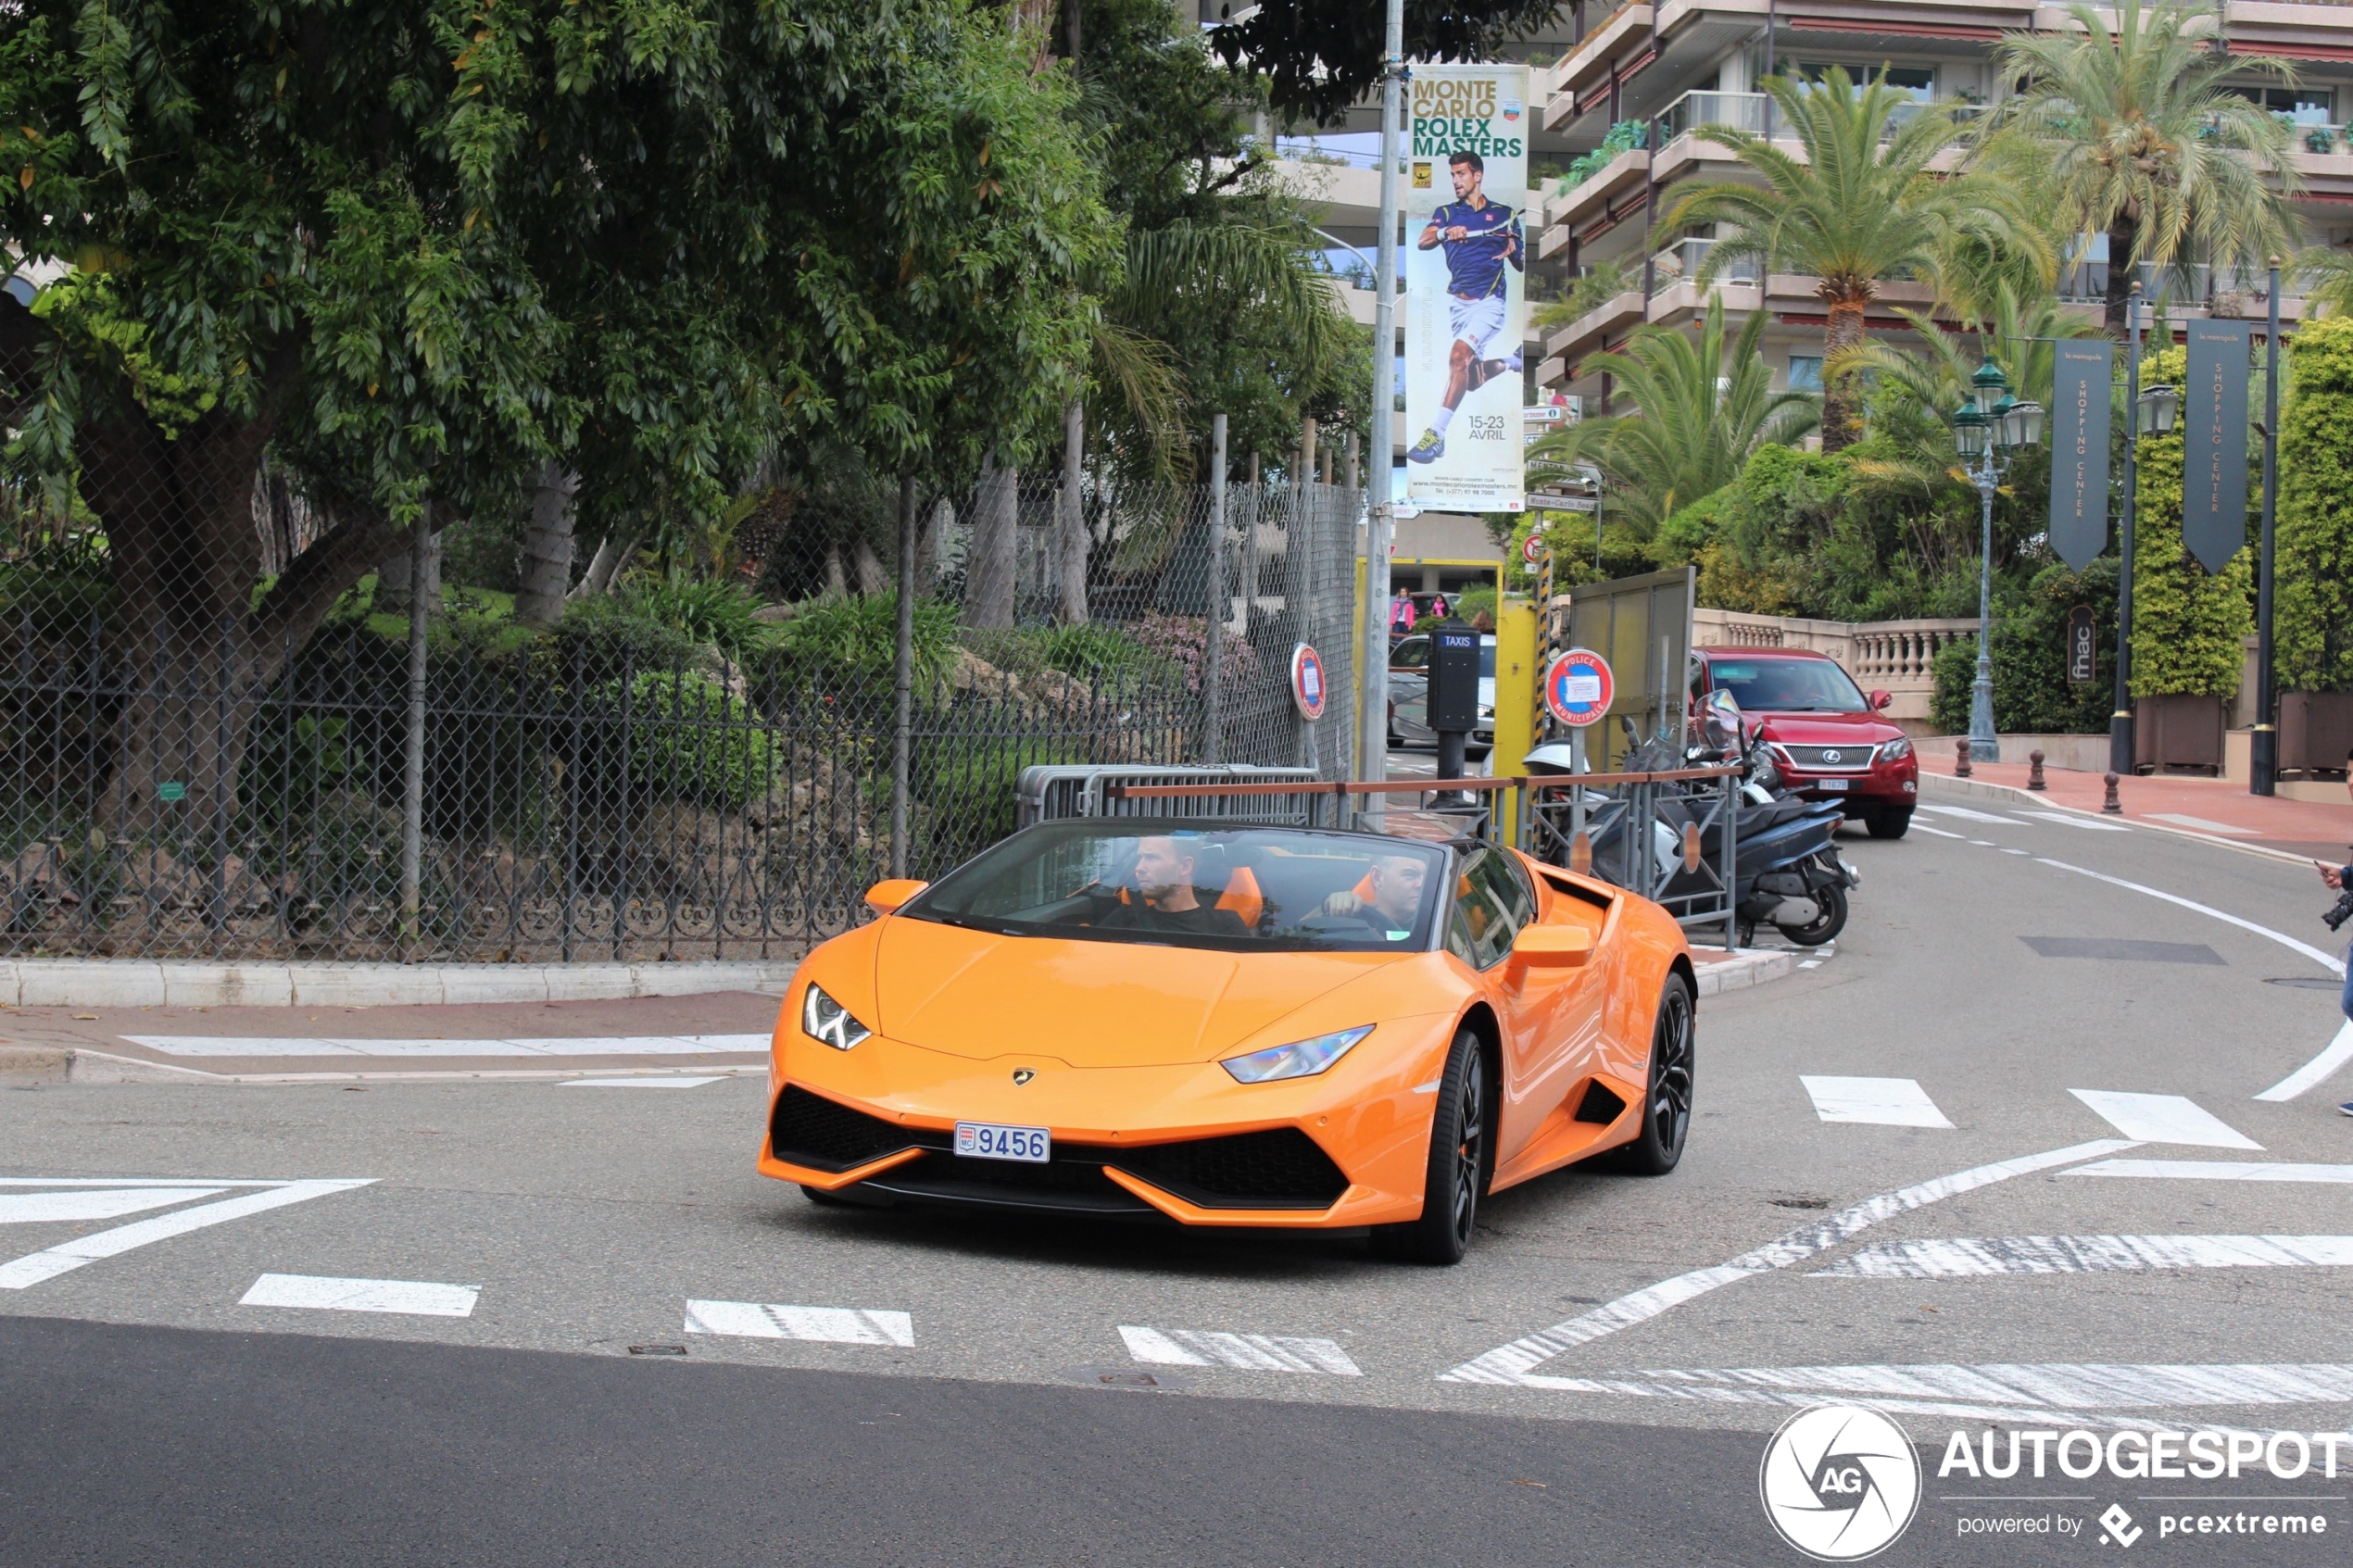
(1897,657)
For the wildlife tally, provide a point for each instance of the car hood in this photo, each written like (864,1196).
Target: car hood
(1090,1004)
(1828,728)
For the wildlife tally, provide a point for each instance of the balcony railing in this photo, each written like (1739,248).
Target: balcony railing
(1680,262)
(1746,111)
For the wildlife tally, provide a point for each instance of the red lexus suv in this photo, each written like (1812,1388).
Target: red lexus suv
(1827,739)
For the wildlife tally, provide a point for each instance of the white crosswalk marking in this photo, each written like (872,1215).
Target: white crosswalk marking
(66,1256)
(2217,1171)
(2200,823)
(33,1207)
(1968,1257)
(2069,819)
(1884,1102)
(2163,1118)
(417,1297)
(1251,1352)
(831,1325)
(1967,815)
(1988,1389)
(588,1045)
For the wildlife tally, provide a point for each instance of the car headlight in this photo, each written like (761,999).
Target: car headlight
(1301,1058)
(824,1019)
(1895,750)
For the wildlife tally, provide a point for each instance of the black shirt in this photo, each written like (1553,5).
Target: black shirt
(1203,920)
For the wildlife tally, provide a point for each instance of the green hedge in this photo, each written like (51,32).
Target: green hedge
(2314,553)
(2188,626)
(2031,694)
(690,737)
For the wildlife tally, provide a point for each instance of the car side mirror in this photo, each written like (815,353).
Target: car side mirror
(1880,699)
(885,897)
(1552,947)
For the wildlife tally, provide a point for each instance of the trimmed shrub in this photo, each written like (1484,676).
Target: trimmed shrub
(2032,693)
(690,737)
(2313,615)
(2188,627)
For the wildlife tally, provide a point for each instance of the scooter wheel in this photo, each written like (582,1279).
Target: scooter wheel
(1824,926)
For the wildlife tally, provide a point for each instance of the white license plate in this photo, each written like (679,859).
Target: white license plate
(988,1140)
(1831,783)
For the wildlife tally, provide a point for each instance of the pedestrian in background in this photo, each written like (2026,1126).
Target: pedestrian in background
(2339,877)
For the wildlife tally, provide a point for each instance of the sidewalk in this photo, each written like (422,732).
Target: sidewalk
(2214,808)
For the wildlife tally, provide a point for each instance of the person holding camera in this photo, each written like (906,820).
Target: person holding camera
(2341,878)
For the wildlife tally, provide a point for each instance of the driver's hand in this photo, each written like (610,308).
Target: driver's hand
(2333,875)
(1343,903)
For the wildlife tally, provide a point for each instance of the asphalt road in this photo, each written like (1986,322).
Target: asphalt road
(1596,1343)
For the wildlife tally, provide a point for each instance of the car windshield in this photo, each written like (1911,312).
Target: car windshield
(1787,685)
(1194,885)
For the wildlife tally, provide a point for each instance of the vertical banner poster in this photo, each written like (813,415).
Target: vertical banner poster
(1466,236)
(2080,379)
(2214,436)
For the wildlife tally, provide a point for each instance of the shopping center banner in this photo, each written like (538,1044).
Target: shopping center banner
(1466,238)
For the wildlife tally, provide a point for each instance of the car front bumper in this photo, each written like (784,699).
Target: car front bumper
(1183,1142)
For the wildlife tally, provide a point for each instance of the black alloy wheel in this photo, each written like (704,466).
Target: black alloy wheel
(1458,1165)
(1889,822)
(1830,899)
(1666,1110)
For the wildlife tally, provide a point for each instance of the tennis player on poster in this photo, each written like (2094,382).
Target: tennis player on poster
(1482,238)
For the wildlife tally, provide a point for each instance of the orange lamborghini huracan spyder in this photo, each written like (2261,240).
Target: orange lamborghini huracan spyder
(1234,1025)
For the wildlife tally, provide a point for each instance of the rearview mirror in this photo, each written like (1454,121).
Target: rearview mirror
(1552,947)
(1720,719)
(1880,699)
(885,897)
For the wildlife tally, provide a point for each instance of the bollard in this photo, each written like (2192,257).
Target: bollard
(1961,768)
(2111,805)
(2034,770)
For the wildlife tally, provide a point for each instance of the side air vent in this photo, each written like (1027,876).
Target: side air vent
(1599,1106)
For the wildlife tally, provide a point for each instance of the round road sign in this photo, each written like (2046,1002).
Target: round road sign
(1577,687)
(1531,549)
(1307,681)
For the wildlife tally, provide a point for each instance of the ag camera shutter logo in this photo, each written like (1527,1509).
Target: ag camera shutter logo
(1840,1482)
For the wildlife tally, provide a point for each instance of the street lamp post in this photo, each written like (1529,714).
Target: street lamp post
(2152,413)
(1986,430)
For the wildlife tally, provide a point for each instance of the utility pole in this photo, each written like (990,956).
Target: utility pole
(2264,744)
(1371,675)
(2120,723)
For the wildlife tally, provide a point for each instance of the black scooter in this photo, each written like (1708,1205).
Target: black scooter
(1787,872)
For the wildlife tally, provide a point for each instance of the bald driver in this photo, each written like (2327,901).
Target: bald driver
(1166,897)
(1397,895)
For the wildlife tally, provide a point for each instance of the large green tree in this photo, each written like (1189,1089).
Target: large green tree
(1859,202)
(416,249)
(2138,138)
(1319,57)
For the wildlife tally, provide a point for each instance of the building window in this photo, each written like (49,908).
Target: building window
(1918,81)
(1804,372)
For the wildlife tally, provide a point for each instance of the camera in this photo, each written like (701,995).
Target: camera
(2342,912)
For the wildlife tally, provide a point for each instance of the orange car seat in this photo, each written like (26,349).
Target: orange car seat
(1243,897)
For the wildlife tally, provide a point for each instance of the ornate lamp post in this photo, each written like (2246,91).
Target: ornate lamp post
(1986,430)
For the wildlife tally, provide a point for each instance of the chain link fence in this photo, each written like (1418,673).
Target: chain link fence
(692,762)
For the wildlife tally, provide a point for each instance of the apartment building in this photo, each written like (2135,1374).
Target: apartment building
(1662,70)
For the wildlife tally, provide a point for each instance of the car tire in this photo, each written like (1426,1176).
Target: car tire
(1459,1164)
(1824,926)
(1890,821)
(1667,1108)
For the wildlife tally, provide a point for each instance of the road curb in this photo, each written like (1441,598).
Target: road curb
(2012,794)
(122,983)
(83,1066)
(1744,972)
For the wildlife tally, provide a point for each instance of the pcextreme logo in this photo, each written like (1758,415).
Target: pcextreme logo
(1840,1482)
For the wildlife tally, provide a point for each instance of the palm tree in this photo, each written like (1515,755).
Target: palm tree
(2145,144)
(1856,204)
(1918,392)
(1702,410)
